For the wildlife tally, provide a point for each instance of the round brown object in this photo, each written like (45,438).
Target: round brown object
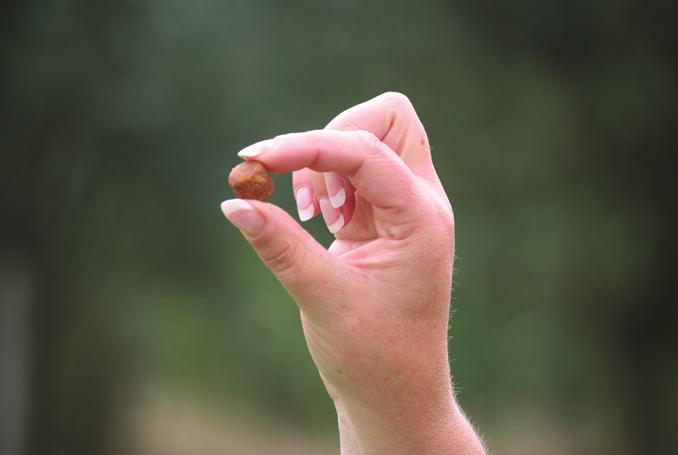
(251,180)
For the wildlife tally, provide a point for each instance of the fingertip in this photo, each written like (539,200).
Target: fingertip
(334,184)
(232,205)
(337,225)
(243,216)
(306,213)
(334,218)
(255,149)
(305,203)
(338,199)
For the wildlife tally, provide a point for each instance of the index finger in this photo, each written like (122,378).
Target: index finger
(375,170)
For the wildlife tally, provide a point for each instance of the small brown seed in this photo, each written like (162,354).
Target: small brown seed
(251,180)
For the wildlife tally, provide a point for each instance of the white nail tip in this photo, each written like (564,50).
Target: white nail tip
(307,213)
(334,227)
(249,152)
(254,149)
(338,199)
(233,205)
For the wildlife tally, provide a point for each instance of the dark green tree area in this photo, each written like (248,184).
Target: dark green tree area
(552,123)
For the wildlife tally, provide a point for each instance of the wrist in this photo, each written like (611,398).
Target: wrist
(434,425)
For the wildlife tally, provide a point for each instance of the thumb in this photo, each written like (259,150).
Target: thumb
(297,260)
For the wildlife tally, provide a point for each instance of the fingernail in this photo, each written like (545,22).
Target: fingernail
(255,149)
(335,189)
(243,216)
(332,216)
(305,203)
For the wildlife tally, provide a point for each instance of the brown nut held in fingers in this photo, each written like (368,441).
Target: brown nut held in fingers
(251,180)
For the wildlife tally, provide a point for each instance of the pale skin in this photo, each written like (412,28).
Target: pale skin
(375,305)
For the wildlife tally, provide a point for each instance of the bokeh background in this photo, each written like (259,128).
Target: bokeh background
(134,319)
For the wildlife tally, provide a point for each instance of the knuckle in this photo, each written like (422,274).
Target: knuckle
(443,219)
(412,194)
(399,102)
(282,260)
(368,138)
(397,98)
(318,145)
(277,142)
(370,142)
(438,213)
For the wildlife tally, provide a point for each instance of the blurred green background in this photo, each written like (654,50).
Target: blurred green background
(134,319)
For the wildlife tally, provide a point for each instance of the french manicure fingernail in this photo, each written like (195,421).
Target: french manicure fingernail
(335,189)
(332,216)
(253,150)
(243,216)
(305,207)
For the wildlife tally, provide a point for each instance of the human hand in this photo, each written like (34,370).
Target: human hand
(375,306)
